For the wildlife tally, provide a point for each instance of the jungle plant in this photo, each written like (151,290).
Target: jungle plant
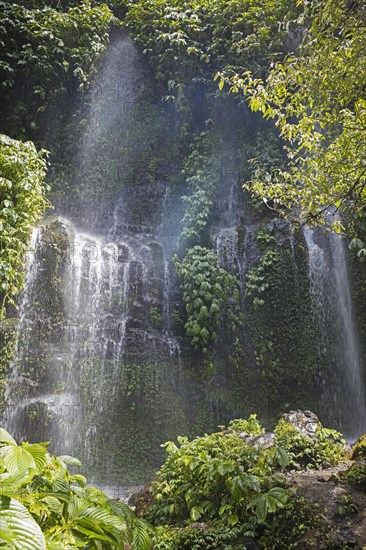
(187,39)
(201,169)
(209,292)
(22,203)
(43,505)
(326,447)
(251,426)
(356,476)
(258,277)
(45,53)
(218,477)
(359,448)
(317,98)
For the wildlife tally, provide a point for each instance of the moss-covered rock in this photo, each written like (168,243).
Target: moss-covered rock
(359,448)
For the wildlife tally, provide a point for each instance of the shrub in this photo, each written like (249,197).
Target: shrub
(43,504)
(359,448)
(218,477)
(324,449)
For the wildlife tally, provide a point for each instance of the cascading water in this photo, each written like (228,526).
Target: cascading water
(343,387)
(96,358)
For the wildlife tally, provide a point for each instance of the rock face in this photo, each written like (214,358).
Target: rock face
(342,508)
(266,440)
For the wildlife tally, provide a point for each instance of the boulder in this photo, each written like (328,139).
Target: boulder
(266,441)
(305,422)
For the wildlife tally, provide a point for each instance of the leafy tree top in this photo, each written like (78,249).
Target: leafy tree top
(317,98)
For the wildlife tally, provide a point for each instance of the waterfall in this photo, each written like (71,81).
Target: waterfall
(97,362)
(343,385)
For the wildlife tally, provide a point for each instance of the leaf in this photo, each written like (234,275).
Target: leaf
(17,459)
(78,478)
(61,486)
(72,461)
(53,504)
(11,482)
(5,437)
(18,528)
(141,539)
(225,467)
(103,516)
(39,453)
(195,513)
(282,457)
(233,519)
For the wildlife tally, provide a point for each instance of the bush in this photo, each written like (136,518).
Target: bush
(359,448)
(356,476)
(250,426)
(209,292)
(22,198)
(325,448)
(43,504)
(218,477)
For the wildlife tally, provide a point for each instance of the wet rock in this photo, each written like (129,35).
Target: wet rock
(266,441)
(201,525)
(141,499)
(305,422)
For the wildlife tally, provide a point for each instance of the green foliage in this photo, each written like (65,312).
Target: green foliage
(219,478)
(18,528)
(186,39)
(325,448)
(346,507)
(216,489)
(217,536)
(356,476)
(317,98)
(44,52)
(250,426)
(259,277)
(209,292)
(293,521)
(359,448)
(43,504)
(202,172)
(278,304)
(155,316)
(22,203)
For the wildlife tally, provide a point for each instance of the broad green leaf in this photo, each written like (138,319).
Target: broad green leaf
(103,516)
(18,528)
(233,519)
(10,483)
(72,461)
(17,459)
(39,453)
(282,457)
(5,437)
(195,513)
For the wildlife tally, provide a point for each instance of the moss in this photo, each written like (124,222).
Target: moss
(359,448)
(155,316)
(356,475)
